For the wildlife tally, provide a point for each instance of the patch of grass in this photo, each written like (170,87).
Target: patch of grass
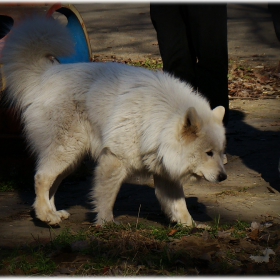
(215,226)
(240,229)
(152,64)
(136,249)
(225,226)
(230,255)
(67,237)
(159,234)
(28,262)
(7,185)
(241,225)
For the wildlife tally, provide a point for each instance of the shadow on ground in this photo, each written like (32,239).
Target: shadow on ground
(258,149)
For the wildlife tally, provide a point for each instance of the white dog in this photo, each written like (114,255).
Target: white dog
(127,118)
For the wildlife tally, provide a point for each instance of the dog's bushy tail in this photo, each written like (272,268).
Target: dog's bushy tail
(28,49)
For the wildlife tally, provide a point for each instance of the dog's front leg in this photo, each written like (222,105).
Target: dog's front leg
(109,175)
(172,199)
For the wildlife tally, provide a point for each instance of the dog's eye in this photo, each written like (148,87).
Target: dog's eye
(210,153)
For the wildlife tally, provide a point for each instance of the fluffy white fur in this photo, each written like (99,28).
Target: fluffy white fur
(129,119)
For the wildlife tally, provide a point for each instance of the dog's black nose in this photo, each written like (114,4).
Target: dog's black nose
(222,176)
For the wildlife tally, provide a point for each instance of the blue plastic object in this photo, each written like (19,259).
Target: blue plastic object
(82,50)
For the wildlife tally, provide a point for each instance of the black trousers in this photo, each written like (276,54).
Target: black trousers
(275,13)
(192,41)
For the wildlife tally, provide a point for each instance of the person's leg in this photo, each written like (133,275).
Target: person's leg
(172,40)
(208,23)
(275,14)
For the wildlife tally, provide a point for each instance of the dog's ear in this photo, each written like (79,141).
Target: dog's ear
(219,113)
(193,122)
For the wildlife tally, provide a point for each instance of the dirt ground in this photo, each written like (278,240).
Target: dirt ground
(251,192)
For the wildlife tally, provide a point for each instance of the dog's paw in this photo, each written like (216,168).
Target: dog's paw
(63,214)
(103,219)
(186,221)
(191,224)
(49,217)
(182,217)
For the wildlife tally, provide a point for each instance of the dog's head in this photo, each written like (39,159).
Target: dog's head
(208,144)
(200,147)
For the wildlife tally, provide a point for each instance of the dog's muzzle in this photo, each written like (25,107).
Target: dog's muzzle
(222,176)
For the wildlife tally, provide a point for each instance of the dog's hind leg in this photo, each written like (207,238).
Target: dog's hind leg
(109,175)
(172,199)
(62,213)
(51,171)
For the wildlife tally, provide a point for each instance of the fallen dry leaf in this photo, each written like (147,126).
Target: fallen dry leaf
(254,235)
(172,232)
